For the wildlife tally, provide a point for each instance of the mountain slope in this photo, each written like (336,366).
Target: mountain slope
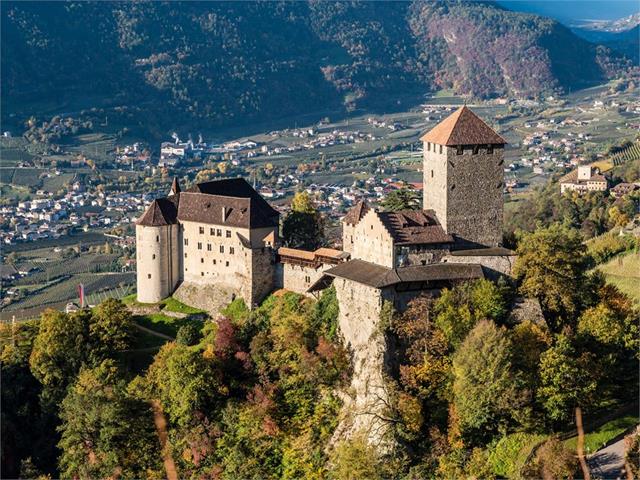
(233,62)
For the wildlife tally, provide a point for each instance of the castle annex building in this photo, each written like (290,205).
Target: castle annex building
(224,235)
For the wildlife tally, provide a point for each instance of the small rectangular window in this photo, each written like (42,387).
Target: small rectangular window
(199,245)
(221,248)
(218,233)
(431,173)
(228,233)
(148,275)
(211,230)
(153,257)
(231,250)
(208,247)
(186,241)
(185,255)
(214,261)
(202,260)
(428,146)
(201,229)
(490,149)
(459,150)
(157,238)
(202,274)
(226,264)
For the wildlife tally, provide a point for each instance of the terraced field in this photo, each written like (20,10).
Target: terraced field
(60,292)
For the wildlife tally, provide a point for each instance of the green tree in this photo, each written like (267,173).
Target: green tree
(484,385)
(59,351)
(568,379)
(188,334)
(303,227)
(551,266)
(110,329)
(401,199)
(355,459)
(459,309)
(105,433)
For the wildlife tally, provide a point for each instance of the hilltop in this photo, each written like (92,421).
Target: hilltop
(225,63)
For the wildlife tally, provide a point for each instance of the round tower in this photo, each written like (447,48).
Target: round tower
(157,250)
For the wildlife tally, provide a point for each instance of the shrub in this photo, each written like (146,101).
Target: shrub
(188,334)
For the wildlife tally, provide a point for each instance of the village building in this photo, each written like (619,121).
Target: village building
(584,179)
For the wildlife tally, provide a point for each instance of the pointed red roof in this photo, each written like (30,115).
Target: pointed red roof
(463,127)
(162,211)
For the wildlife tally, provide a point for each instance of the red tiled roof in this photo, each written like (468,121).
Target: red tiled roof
(356,213)
(414,227)
(463,127)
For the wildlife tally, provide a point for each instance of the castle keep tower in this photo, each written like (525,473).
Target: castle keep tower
(463,176)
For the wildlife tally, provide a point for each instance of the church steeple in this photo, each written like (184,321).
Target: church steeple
(175,187)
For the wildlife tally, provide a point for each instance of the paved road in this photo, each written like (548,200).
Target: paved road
(608,463)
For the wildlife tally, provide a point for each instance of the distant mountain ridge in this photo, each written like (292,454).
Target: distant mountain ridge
(232,62)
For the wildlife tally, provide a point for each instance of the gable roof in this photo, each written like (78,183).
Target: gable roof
(355,214)
(463,127)
(414,227)
(378,276)
(162,211)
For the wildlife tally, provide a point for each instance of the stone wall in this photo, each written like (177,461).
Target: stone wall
(262,275)
(372,242)
(494,266)
(359,320)
(298,278)
(419,255)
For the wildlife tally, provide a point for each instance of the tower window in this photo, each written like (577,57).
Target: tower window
(476,149)
(208,247)
(211,231)
(201,229)
(459,150)
(221,248)
(428,146)
(202,274)
(157,238)
(226,264)
(431,173)
(228,233)
(440,148)
(490,149)
(231,250)
(148,275)
(186,241)
(153,257)
(185,255)
(199,245)
(218,232)
(202,260)
(214,261)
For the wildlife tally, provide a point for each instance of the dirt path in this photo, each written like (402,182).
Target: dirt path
(608,463)
(153,332)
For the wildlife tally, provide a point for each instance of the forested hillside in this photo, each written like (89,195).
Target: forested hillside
(230,62)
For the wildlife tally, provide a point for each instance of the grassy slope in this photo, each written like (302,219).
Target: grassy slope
(624,272)
(595,440)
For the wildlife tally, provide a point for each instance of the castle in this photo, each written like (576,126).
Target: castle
(224,235)
(220,240)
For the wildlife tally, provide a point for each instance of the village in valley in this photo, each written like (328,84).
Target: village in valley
(68,184)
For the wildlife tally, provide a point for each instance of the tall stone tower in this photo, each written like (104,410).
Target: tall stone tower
(463,171)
